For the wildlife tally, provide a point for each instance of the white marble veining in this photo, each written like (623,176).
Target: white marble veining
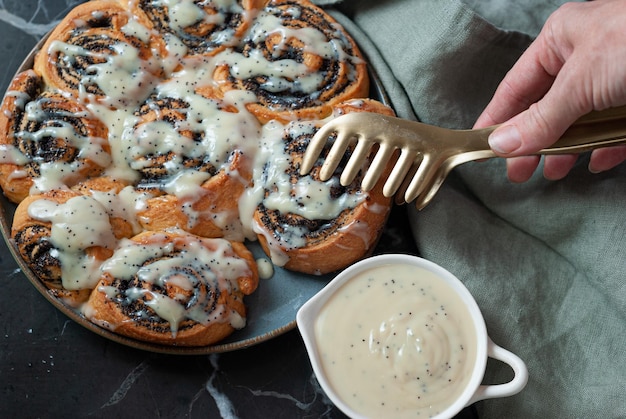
(34,20)
(132,377)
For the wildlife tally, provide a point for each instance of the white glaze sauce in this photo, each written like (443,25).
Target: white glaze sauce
(396,341)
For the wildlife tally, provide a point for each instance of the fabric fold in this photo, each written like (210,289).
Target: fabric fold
(546,261)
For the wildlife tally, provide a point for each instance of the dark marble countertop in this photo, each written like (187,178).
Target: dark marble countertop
(51,366)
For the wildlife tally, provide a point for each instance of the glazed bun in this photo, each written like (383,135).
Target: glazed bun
(318,227)
(102,54)
(48,140)
(311,66)
(174,288)
(64,236)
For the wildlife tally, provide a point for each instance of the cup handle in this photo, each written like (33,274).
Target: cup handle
(507,389)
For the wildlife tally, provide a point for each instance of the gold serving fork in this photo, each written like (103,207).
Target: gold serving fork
(425,154)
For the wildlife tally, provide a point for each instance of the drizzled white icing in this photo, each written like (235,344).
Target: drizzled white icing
(161,264)
(123,78)
(77,225)
(54,174)
(183,13)
(11,155)
(124,204)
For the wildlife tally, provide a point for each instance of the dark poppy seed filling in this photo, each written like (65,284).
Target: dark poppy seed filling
(35,247)
(52,112)
(206,34)
(157,167)
(90,48)
(134,295)
(98,35)
(54,140)
(73,69)
(285,224)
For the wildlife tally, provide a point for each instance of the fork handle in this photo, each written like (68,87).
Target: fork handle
(594,130)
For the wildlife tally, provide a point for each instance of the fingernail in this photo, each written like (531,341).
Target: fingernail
(505,139)
(594,170)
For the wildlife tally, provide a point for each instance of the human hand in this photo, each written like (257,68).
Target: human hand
(577,64)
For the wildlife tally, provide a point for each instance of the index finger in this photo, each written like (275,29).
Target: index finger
(525,83)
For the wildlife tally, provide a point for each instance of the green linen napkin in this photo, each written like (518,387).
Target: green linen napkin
(546,261)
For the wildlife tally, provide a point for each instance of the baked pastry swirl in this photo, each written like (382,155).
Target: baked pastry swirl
(203,26)
(177,132)
(308,64)
(47,139)
(311,226)
(209,209)
(193,153)
(121,201)
(174,288)
(64,236)
(102,53)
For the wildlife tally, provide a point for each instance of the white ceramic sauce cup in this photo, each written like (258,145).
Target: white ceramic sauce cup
(473,390)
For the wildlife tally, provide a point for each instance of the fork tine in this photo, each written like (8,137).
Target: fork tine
(432,187)
(400,193)
(335,155)
(399,172)
(314,148)
(355,163)
(419,180)
(434,182)
(424,199)
(377,168)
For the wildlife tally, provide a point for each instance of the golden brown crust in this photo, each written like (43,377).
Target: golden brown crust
(91,34)
(40,135)
(100,184)
(123,225)
(342,76)
(175,170)
(15,183)
(32,236)
(212,212)
(327,245)
(212,307)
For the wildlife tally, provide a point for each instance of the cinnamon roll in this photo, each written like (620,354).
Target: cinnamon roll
(174,288)
(211,211)
(311,226)
(195,152)
(101,53)
(203,26)
(297,61)
(64,236)
(47,140)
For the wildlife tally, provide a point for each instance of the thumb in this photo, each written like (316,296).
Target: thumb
(539,126)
